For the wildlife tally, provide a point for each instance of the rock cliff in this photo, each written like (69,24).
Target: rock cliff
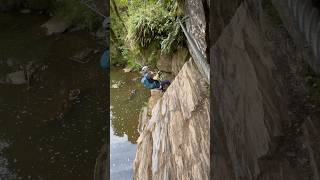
(174,143)
(264,126)
(174,128)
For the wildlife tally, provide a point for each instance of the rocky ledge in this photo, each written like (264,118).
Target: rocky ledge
(174,139)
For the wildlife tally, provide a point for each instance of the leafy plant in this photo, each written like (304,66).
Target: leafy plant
(145,28)
(153,23)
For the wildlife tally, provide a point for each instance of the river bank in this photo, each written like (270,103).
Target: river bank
(49,131)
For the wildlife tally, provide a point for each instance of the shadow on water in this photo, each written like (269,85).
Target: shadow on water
(126,102)
(34,143)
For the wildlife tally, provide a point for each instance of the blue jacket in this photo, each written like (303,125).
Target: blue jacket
(104,61)
(149,83)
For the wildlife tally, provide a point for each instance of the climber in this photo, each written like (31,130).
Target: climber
(151,81)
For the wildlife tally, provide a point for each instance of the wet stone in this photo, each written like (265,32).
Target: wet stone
(16,78)
(25,11)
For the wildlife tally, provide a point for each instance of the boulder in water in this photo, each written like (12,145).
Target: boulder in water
(82,55)
(135,79)
(16,78)
(127,69)
(25,11)
(55,25)
(117,84)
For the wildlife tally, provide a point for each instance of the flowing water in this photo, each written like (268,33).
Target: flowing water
(36,142)
(127,98)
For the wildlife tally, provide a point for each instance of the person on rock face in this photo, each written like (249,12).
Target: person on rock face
(151,80)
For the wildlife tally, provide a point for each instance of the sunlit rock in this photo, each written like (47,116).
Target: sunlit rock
(174,142)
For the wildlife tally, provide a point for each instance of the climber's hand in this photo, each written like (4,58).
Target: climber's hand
(156,77)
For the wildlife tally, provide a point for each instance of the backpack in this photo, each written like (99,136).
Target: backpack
(149,84)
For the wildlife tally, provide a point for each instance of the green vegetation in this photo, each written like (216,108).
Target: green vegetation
(144,29)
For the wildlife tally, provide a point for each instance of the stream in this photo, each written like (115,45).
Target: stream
(127,98)
(54,128)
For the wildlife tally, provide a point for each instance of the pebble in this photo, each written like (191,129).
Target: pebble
(25,11)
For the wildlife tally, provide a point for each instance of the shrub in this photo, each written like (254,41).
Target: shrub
(143,29)
(153,23)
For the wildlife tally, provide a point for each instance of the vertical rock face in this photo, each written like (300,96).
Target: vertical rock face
(262,127)
(174,140)
(197,23)
(221,14)
(178,60)
(249,118)
(173,63)
(174,143)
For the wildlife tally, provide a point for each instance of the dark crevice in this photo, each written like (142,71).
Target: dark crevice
(316,3)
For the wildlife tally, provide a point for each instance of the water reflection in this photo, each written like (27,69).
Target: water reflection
(122,155)
(127,98)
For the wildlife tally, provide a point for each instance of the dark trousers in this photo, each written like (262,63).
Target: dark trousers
(162,84)
(165,83)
